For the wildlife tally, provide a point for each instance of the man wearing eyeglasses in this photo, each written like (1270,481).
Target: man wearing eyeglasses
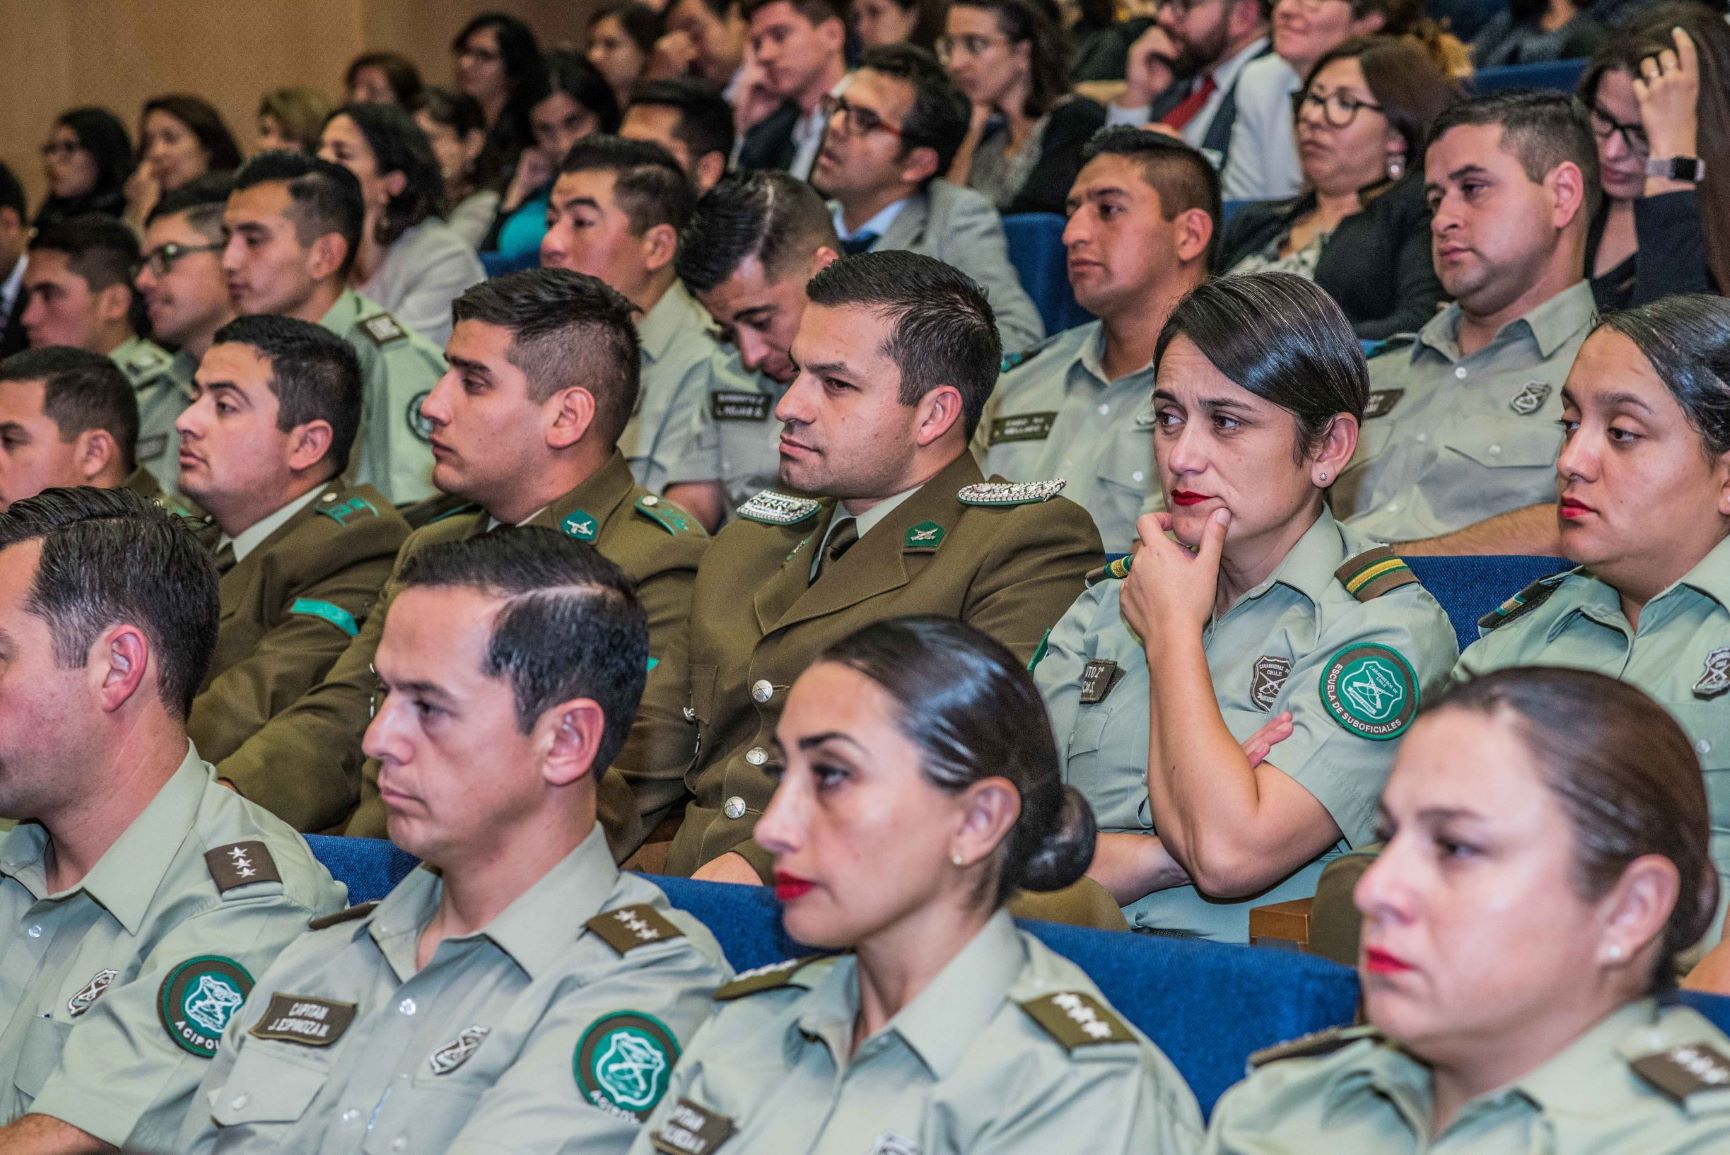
(1183,71)
(888,139)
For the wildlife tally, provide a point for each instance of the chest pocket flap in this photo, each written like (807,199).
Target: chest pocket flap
(1536,445)
(266,1087)
(40,1055)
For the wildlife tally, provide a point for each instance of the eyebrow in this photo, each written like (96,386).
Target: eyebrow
(579,202)
(466,365)
(1214,404)
(1467,170)
(827,368)
(431,688)
(1440,814)
(812,741)
(1627,399)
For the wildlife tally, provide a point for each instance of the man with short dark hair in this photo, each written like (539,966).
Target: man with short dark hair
(14,232)
(79,281)
(798,46)
(179,271)
(753,242)
(138,897)
(525,427)
(687,118)
(705,39)
(1460,438)
(615,212)
(1143,215)
(1183,71)
(889,140)
(293,227)
(897,354)
(517,963)
(301,554)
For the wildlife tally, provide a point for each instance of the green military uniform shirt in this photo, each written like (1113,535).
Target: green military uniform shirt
(1680,655)
(678,351)
(398,368)
(554,1029)
(113,993)
(1448,439)
(1002,558)
(732,436)
(1274,650)
(163,386)
(307,762)
(1010,1050)
(1056,414)
(1352,1091)
(290,605)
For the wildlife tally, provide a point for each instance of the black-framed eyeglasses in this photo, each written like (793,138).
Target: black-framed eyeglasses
(858,121)
(971,45)
(1339,108)
(1633,135)
(162,259)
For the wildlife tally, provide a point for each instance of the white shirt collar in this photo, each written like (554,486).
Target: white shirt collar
(9,287)
(253,535)
(878,224)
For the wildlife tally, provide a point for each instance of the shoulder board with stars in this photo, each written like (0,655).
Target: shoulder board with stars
(325,921)
(1077,1019)
(241,864)
(1375,572)
(769,978)
(383,329)
(1685,1070)
(1003,493)
(770,507)
(1313,1045)
(1523,602)
(629,927)
(333,506)
(664,514)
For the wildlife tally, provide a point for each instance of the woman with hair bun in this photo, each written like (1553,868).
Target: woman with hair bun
(1257,606)
(918,789)
(1546,865)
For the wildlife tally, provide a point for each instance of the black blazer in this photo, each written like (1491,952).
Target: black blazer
(1376,265)
(769,143)
(12,326)
(1047,187)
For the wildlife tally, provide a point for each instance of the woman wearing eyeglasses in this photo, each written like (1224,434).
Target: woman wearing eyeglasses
(1361,230)
(1659,100)
(85,162)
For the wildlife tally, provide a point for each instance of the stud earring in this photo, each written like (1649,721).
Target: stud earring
(1396,166)
(956,859)
(1322,477)
(1615,952)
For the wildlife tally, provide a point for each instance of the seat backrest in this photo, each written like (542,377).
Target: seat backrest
(1036,250)
(1558,74)
(369,867)
(1470,587)
(1206,1005)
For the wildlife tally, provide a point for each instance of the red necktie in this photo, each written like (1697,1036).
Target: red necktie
(1187,108)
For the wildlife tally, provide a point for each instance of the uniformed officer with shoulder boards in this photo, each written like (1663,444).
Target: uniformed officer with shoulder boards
(140,900)
(516,992)
(1143,216)
(1643,485)
(525,427)
(918,788)
(1260,604)
(294,225)
(79,284)
(1546,865)
(302,554)
(897,353)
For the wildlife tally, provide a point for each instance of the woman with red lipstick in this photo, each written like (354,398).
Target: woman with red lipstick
(1643,488)
(1258,604)
(918,790)
(1546,864)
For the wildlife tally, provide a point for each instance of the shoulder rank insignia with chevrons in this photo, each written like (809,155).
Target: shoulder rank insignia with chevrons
(1374,572)
(630,927)
(769,507)
(1011,492)
(1312,1045)
(1523,602)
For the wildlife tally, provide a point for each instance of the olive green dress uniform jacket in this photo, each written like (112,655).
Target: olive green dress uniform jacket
(163,387)
(290,608)
(678,353)
(1450,439)
(113,993)
(1271,652)
(307,762)
(1644,1081)
(1680,655)
(553,1029)
(1011,1050)
(398,368)
(757,620)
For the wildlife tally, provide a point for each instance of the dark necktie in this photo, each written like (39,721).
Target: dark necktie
(225,558)
(859,243)
(1190,105)
(842,540)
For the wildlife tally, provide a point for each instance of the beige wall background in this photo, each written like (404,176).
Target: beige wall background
(57,54)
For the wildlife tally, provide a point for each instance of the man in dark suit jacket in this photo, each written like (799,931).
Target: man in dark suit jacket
(1183,71)
(798,48)
(13,231)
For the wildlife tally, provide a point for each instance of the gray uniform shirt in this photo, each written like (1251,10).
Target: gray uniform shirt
(398,368)
(163,386)
(427,268)
(731,435)
(678,358)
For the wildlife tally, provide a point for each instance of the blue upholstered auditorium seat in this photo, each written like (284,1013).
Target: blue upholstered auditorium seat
(1714,1007)
(1559,74)
(369,867)
(1470,587)
(1036,250)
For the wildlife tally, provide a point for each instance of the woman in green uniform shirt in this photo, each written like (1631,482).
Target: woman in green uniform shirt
(1258,604)
(918,789)
(1546,863)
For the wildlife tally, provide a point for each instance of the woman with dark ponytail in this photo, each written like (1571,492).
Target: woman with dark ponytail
(919,788)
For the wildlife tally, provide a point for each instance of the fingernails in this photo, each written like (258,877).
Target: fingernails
(1222,515)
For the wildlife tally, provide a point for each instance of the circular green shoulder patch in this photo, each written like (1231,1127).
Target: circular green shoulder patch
(417,422)
(197,1000)
(623,1063)
(1370,690)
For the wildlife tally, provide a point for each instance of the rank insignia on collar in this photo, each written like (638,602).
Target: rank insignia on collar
(90,992)
(456,1052)
(1715,676)
(580,525)
(768,507)
(1267,680)
(1011,492)
(1530,398)
(924,537)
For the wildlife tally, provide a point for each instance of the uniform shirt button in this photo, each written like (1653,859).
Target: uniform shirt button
(1702,747)
(1393,507)
(690,713)
(762,690)
(35,932)
(350,1115)
(1138,475)
(734,807)
(398,1143)
(1422,437)
(1495,451)
(1105,411)
(406,1006)
(1460,372)
(240,1101)
(757,756)
(651,500)
(328,497)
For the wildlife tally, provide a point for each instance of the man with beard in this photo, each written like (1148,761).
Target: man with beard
(1183,71)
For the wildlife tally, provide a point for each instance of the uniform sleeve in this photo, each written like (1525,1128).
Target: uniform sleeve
(1057,671)
(672,440)
(538,1104)
(1034,573)
(314,626)
(659,750)
(402,458)
(679,1085)
(693,445)
(1096,1105)
(426,308)
(121,1076)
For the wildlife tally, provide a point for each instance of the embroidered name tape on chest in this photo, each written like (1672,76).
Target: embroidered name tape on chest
(304,1019)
